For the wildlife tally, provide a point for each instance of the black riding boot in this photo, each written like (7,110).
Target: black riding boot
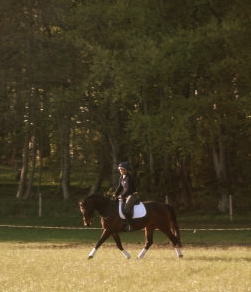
(128,223)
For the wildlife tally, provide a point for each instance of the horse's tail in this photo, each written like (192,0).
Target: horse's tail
(173,223)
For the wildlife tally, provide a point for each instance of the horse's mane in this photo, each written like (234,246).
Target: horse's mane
(96,197)
(104,205)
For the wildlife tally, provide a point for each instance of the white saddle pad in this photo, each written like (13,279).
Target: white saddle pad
(139,211)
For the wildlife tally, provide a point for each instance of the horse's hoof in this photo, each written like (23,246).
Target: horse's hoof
(92,253)
(126,254)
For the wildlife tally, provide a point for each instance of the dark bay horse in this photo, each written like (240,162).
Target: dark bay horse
(158,216)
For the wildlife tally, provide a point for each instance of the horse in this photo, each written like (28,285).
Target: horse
(158,216)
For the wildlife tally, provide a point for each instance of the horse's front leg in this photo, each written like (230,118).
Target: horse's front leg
(149,241)
(102,239)
(116,238)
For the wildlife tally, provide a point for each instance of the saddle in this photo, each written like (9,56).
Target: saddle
(139,211)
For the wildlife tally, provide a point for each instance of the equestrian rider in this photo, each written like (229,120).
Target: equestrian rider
(127,192)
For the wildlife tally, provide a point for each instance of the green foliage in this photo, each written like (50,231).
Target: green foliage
(163,84)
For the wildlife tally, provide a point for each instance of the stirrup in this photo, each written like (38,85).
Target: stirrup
(129,227)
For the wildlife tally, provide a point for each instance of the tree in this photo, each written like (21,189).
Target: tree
(171,95)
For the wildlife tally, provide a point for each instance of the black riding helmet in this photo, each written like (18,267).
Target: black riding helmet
(123,165)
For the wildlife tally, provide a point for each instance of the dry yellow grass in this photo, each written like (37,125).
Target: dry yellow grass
(58,268)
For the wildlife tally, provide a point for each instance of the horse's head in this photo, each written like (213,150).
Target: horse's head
(87,211)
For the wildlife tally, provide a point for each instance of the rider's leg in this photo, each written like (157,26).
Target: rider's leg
(128,218)
(128,209)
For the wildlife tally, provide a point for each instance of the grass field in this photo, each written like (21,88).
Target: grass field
(58,268)
(55,260)
(87,236)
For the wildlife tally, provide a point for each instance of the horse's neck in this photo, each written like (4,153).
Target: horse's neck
(102,206)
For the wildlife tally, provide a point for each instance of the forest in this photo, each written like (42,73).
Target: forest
(162,84)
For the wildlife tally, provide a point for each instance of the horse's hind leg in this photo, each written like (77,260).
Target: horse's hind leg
(174,240)
(119,245)
(148,243)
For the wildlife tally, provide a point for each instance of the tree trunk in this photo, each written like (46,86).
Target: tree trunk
(187,197)
(149,146)
(65,158)
(32,170)
(99,178)
(114,161)
(219,160)
(24,169)
(40,173)
(220,170)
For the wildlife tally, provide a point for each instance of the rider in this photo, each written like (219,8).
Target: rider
(127,191)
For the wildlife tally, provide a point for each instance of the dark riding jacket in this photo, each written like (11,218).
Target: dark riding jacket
(125,187)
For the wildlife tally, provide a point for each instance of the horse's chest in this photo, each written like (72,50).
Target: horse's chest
(107,222)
